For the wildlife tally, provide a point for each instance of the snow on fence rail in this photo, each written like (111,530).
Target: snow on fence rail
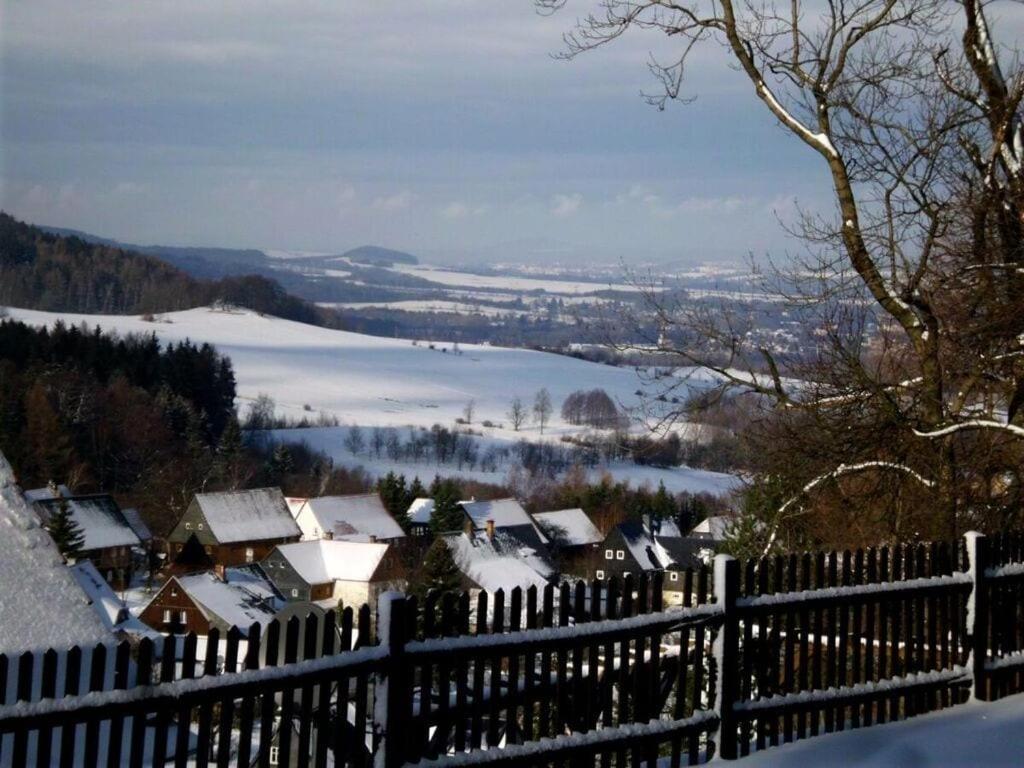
(596,674)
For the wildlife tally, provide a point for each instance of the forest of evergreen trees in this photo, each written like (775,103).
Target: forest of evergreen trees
(59,273)
(121,415)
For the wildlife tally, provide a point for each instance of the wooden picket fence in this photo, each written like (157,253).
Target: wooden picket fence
(760,653)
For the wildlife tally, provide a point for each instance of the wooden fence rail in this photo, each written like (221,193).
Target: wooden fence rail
(596,675)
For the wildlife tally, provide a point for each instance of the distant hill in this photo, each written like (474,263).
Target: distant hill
(203,262)
(68,271)
(376,256)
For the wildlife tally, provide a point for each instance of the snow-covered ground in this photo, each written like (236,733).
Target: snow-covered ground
(331,441)
(975,734)
(510,283)
(373,381)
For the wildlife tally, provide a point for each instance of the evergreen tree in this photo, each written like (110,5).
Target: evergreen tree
(447,515)
(230,456)
(663,506)
(416,491)
(391,489)
(439,571)
(280,464)
(65,532)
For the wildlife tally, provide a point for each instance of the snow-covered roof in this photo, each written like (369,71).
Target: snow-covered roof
(138,525)
(252,579)
(232,603)
(108,606)
(295,503)
(254,515)
(569,527)
(506,513)
(503,562)
(665,527)
(349,518)
(420,511)
(657,552)
(41,494)
(322,560)
(714,527)
(100,518)
(641,545)
(41,605)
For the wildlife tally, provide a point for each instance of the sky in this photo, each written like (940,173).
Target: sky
(443,127)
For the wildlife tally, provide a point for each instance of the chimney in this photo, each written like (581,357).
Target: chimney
(219,570)
(468,527)
(489,525)
(373,538)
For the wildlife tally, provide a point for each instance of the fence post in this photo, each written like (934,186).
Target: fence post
(726,655)
(977,611)
(393,694)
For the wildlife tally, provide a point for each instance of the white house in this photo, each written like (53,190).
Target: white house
(361,517)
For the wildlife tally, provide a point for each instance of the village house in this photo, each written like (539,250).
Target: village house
(713,528)
(325,571)
(572,538)
(418,516)
(506,515)
(233,527)
(107,536)
(630,548)
(200,601)
(360,517)
(496,558)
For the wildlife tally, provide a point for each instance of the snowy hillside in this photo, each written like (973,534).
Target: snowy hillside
(369,380)
(372,381)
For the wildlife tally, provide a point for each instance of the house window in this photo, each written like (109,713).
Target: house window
(609,554)
(183,617)
(188,526)
(250,555)
(295,593)
(674,576)
(273,755)
(167,615)
(625,574)
(174,592)
(620,555)
(600,575)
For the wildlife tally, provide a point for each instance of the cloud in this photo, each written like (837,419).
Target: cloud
(455,210)
(399,201)
(563,206)
(460,210)
(727,204)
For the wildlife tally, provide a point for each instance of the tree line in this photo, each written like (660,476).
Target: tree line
(59,273)
(124,415)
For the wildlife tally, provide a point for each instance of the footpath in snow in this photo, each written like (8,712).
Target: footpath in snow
(972,735)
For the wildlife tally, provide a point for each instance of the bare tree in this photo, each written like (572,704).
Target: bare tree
(542,408)
(354,441)
(467,412)
(517,413)
(912,282)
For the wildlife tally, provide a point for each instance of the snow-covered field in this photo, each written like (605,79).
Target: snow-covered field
(331,441)
(976,734)
(373,381)
(510,283)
